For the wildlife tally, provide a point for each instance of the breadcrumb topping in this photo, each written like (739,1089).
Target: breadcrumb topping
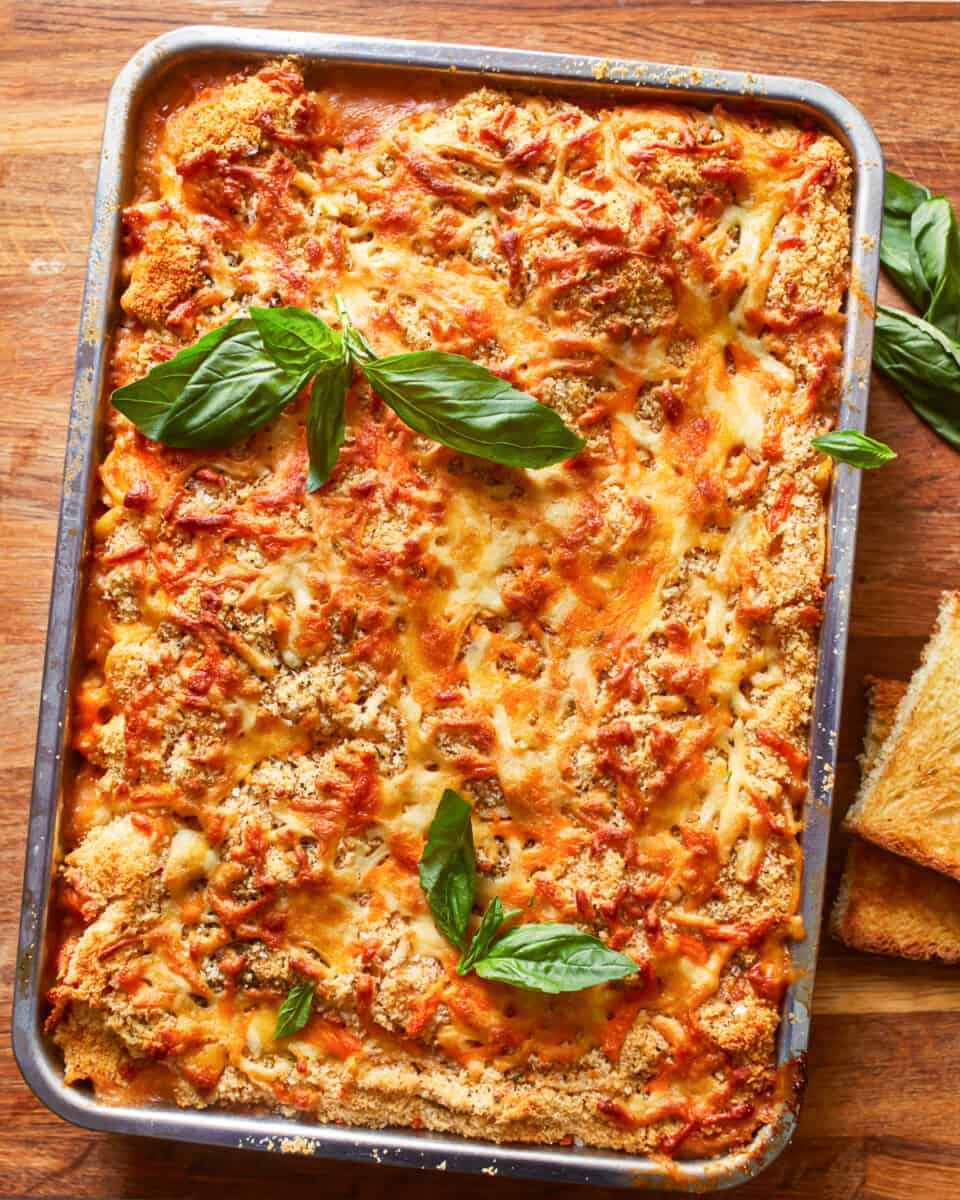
(612,659)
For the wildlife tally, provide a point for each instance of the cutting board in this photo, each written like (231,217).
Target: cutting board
(882,1114)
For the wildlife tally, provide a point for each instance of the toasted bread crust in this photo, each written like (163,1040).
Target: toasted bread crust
(889,906)
(908,800)
(883,698)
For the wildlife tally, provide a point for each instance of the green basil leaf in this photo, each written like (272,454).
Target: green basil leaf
(325,421)
(936,239)
(900,199)
(901,196)
(234,391)
(146,400)
(897,254)
(448,867)
(466,407)
(924,364)
(296,339)
(492,919)
(909,349)
(295,1010)
(850,446)
(546,957)
(358,346)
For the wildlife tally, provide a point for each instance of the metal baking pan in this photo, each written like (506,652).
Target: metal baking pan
(37,1058)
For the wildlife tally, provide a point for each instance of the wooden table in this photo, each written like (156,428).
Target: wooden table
(882,1114)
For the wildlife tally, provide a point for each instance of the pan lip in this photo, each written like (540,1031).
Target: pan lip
(34,1055)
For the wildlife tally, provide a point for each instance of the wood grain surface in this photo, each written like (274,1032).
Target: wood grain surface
(882,1114)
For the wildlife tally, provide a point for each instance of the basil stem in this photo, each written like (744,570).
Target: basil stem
(492,919)
(359,348)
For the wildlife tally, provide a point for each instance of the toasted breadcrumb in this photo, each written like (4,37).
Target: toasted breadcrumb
(163,274)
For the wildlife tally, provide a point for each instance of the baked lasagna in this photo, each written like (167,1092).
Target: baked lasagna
(612,659)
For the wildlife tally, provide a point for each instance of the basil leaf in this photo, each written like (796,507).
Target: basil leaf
(493,918)
(900,199)
(924,364)
(850,446)
(466,407)
(901,196)
(295,1010)
(908,346)
(546,957)
(234,391)
(296,339)
(448,867)
(358,346)
(897,255)
(325,422)
(936,240)
(146,400)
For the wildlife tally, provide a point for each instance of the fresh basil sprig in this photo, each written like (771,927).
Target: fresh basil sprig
(851,446)
(542,956)
(295,1010)
(238,377)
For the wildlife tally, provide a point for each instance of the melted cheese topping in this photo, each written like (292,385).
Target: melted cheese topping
(611,658)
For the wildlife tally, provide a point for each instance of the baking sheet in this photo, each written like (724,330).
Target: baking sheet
(38,1059)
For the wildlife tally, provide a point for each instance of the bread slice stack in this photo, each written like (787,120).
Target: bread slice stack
(900,892)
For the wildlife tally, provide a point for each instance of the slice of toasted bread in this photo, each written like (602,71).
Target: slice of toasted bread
(890,906)
(886,904)
(909,801)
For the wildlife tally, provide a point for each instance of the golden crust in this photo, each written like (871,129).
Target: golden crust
(612,659)
(235,118)
(163,273)
(112,860)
